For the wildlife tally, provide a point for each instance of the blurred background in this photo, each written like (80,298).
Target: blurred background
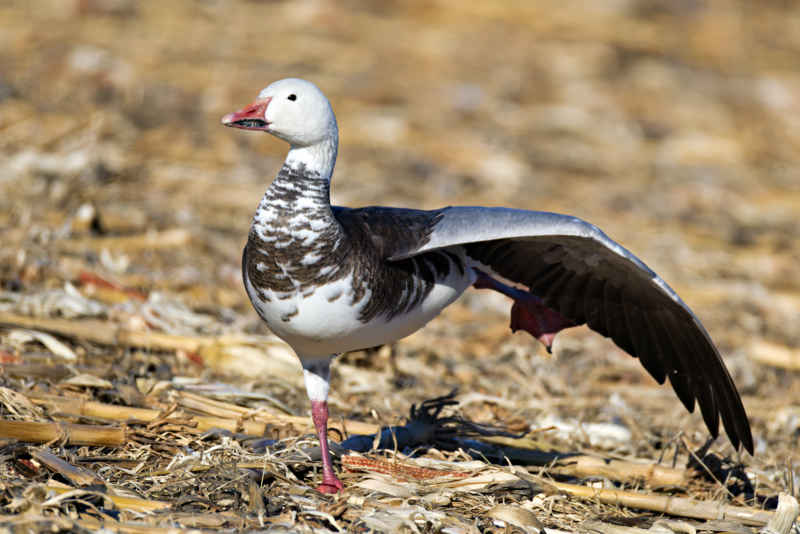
(674,126)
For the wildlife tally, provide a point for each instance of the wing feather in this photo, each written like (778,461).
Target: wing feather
(572,297)
(556,287)
(580,273)
(616,322)
(644,343)
(681,363)
(593,307)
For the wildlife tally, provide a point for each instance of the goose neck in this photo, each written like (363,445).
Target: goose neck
(318,159)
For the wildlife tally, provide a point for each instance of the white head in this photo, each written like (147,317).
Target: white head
(293,110)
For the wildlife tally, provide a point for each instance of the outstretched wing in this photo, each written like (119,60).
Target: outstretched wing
(580,273)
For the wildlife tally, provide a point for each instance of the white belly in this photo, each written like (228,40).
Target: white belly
(316,326)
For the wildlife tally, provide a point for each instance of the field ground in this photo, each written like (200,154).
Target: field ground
(124,207)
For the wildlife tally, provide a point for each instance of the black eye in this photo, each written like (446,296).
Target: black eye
(292,97)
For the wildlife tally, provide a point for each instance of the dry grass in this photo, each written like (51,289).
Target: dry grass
(124,207)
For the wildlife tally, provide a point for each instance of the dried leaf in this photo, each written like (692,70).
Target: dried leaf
(88,381)
(22,337)
(17,406)
(402,491)
(520,517)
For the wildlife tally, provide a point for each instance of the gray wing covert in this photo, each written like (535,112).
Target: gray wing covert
(580,273)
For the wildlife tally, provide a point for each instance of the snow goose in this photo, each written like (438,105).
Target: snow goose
(329,279)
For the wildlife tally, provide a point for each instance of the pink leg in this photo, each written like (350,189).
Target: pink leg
(330,483)
(527,313)
(317,372)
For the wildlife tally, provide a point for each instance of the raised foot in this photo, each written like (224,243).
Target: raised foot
(331,486)
(538,321)
(528,313)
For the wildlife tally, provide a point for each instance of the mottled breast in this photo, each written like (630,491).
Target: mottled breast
(352,244)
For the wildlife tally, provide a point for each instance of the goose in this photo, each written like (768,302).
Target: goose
(329,279)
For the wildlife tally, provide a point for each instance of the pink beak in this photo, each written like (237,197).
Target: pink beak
(250,117)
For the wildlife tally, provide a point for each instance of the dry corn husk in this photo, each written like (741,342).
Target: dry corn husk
(520,517)
(19,338)
(386,487)
(89,381)
(785,516)
(17,406)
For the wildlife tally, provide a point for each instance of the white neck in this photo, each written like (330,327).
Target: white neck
(320,157)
